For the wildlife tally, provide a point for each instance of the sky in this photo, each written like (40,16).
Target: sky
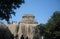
(41,9)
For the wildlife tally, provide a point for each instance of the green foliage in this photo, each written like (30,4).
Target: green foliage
(42,29)
(7,8)
(5,32)
(51,30)
(53,26)
(37,33)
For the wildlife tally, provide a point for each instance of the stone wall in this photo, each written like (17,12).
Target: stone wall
(25,28)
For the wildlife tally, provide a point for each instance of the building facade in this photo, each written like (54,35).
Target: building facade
(25,28)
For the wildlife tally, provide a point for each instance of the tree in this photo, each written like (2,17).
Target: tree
(36,33)
(53,26)
(42,29)
(51,30)
(5,32)
(7,8)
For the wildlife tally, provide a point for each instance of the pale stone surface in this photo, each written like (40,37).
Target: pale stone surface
(13,28)
(26,27)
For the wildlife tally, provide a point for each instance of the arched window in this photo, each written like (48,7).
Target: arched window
(27,37)
(22,37)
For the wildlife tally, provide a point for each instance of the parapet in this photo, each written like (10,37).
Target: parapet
(29,19)
(28,15)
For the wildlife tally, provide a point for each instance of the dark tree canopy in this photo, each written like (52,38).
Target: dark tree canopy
(5,32)
(52,27)
(50,30)
(7,8)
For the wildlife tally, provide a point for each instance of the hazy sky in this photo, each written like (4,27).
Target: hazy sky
(42,9)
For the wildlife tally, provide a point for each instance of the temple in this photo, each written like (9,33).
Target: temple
(25,27)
